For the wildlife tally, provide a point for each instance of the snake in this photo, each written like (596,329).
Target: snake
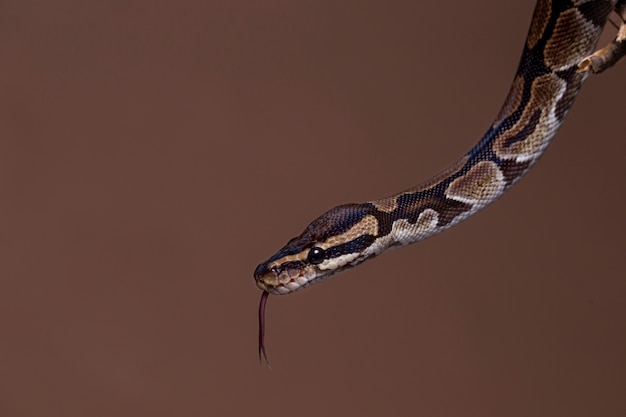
(552,69)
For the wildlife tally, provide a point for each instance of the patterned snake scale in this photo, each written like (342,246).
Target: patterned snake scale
(562,34)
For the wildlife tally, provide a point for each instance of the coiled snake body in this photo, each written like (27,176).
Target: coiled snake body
(552,70)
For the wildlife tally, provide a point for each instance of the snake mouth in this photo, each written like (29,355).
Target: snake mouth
(285,283)
(293,276)
(281,280)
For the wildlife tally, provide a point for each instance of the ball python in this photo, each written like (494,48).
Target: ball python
(554,64)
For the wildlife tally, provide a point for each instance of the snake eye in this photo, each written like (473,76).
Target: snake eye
(316,255)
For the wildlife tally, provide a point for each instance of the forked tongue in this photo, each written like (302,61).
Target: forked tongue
(262,327)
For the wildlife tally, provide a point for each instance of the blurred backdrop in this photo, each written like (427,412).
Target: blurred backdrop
(153,153)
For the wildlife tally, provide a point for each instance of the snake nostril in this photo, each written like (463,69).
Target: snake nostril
(260,270)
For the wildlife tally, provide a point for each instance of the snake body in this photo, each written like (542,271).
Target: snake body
(562,34)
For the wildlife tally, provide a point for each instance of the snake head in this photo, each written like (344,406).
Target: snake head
(338,239)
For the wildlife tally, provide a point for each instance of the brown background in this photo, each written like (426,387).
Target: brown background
(152,153)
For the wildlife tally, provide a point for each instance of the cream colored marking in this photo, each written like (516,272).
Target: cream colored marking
(338,262)
(367,226)
(281,290)
(403,232)
(389,204)
(543,88)
(406,233)
(578,3)
(561,52)
(380,245)
(483,183)
(539,22)
(301,256)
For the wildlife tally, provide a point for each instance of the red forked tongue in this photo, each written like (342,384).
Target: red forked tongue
(262,327)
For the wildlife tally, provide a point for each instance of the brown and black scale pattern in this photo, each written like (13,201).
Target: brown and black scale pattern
(555,25)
